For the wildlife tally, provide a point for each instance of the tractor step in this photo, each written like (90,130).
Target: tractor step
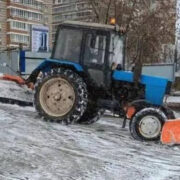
(108,104)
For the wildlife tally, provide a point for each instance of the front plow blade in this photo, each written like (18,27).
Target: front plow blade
(171,132)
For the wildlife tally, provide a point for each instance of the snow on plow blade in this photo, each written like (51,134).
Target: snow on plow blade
(171,132)
(13,90)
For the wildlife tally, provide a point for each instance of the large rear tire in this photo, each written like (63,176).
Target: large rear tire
(147,124)
(91,115)
(61,96)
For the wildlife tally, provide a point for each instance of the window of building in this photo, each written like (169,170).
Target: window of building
(57,1)
(65,8)
(31,3)
(71,16)
(63,1)
(20,25)
(26,14)
(17,38)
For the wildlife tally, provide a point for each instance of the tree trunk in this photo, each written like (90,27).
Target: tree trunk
(138,63)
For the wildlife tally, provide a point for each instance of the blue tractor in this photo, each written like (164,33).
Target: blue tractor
(86,75)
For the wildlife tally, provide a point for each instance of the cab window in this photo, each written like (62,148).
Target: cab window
(95,48)
(68,45)
(116,50)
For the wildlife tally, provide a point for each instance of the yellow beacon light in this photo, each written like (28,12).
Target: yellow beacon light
(113,21)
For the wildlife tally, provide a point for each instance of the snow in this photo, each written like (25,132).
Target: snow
(35,149)
(176,93)
(177,74)
(32,149)
(173,99)
(12,90)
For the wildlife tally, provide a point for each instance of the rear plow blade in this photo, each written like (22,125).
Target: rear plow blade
(171,132)
(13,90)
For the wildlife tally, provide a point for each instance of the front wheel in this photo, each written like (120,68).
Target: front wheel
(147,124)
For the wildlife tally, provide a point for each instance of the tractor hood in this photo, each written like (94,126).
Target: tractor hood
(155,87)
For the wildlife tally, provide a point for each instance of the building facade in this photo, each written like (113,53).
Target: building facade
(63,10)
(19,16)
(177,40)
(3,17)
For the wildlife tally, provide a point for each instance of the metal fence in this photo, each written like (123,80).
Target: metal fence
(26,61)
(20,61)
(32,60)
(11,58)
(160,70)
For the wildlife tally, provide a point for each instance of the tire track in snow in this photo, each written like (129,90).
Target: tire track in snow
(99,151)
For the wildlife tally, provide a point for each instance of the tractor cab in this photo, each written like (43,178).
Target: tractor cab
(97,48)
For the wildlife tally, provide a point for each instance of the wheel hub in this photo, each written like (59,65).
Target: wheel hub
(150,126)
(57,97)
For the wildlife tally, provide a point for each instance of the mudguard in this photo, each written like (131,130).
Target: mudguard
(47,64)
(136,106)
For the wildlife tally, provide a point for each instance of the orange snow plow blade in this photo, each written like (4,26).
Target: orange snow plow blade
(171,132)
(16,79)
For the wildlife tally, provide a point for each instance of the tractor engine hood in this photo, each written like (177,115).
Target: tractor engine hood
(155,87)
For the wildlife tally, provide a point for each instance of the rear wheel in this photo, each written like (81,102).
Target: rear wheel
(91,115)
(147,124)
(61,96)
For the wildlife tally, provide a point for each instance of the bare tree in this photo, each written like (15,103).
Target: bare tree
(148,25)
(151,23)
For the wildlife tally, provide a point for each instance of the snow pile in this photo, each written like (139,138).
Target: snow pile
(173,102)
(9,89)
(173,99)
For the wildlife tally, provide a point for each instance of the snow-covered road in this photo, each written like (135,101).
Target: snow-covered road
(31,149)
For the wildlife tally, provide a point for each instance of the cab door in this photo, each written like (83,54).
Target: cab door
(95,56)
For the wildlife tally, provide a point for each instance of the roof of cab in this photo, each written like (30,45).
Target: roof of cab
(88,25)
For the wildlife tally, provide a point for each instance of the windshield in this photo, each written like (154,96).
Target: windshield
(68,45)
